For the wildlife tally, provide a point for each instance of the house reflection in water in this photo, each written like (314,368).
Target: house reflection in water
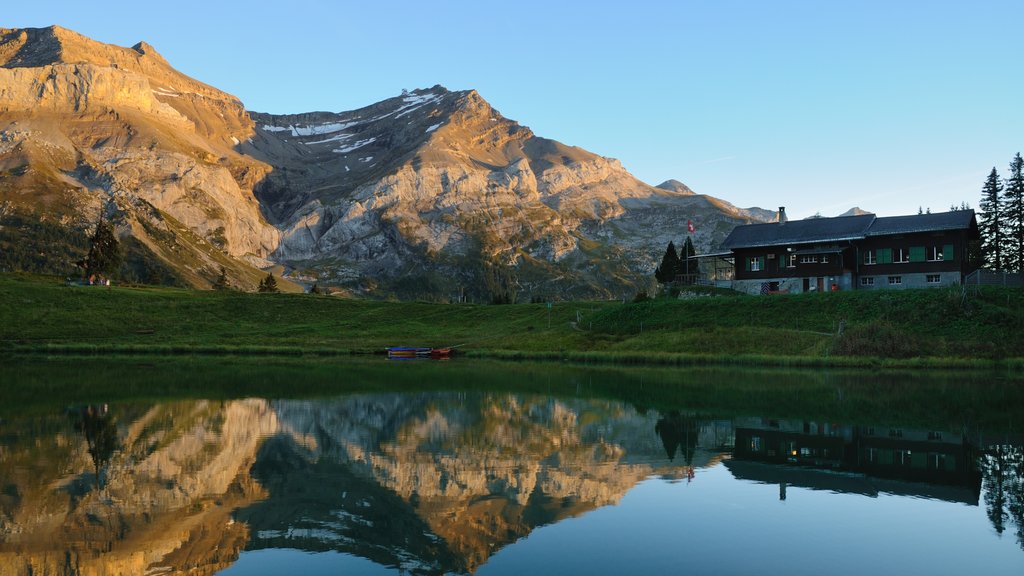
(867,460)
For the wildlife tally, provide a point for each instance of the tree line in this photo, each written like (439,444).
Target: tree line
(1001,218)
(678,267)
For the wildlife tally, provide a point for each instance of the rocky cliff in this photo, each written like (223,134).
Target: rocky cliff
(430,193)
(89,130)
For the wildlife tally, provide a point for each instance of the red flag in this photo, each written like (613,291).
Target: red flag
(689,226)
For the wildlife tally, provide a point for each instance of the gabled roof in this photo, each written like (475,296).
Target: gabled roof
(956,220)
(826,230)
(810,231)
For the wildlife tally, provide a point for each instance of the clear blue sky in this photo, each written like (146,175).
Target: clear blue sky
(816,105)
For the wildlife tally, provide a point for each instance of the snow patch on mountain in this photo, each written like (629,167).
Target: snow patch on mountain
(356,146)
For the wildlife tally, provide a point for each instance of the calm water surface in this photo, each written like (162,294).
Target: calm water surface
(233,468)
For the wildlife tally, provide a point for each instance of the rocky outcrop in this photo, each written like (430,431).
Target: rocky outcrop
(89,129)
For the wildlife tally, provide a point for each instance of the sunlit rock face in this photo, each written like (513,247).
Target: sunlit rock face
(442,180)
(88,128)
(420,194)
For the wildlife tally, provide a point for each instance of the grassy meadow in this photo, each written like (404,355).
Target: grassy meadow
(938,327)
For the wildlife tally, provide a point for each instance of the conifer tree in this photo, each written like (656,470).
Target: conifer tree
(104,251)
(670,265)
(1013,215)
(268,284)
(688,263)
(990,223)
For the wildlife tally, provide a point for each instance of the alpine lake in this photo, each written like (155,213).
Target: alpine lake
(254,466)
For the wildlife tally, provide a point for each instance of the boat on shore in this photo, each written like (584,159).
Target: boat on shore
(413,352)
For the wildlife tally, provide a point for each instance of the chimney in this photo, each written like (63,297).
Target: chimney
(782,215)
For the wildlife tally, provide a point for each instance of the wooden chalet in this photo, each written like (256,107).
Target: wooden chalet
(853,252)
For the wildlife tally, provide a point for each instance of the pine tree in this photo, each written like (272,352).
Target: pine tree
(1013,215)
(688,264)
(670,265)
(991,222)
(268,284)
(104,251)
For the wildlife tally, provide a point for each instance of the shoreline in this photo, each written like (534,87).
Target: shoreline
(572,357)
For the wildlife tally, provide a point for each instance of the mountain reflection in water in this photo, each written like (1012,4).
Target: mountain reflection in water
(423,483)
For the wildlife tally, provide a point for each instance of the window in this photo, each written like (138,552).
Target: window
(869,257)
(933,278)
(824,259)
(900,255)
(867,281)
(755,443)
(755,264)
(935,254)
(895,280)
(808,259)
(791,261)
(937,461)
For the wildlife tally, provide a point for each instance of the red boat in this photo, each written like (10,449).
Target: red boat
(410,352)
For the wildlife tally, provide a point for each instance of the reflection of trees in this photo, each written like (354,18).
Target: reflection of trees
(97,425)
(678,432)
(1002,468)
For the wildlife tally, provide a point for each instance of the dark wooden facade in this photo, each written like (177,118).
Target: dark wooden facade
(826,254)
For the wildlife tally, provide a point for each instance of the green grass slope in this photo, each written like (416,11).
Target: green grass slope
(904,327)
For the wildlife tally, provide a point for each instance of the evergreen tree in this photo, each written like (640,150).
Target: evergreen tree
(315,289)
(268,284)
(1013,215)
(688,263)
(670,265)
(990,223)
(104,251)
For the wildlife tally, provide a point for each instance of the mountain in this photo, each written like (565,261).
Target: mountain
(675,186)
(855,211)
(432,193)
(88,129)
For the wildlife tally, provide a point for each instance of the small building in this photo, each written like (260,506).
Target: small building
(853,252)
